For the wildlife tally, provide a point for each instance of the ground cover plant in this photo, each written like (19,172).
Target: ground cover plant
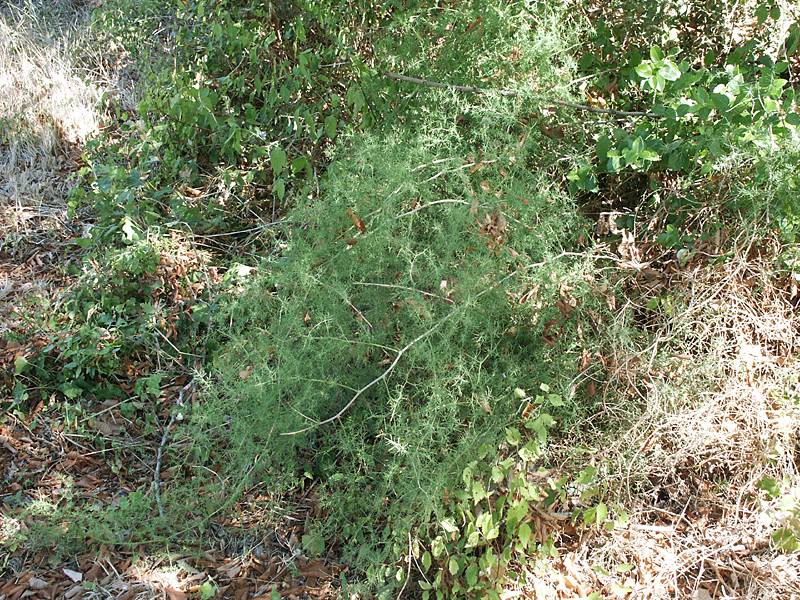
(369,299)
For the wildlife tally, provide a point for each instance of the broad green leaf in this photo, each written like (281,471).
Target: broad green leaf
(586,476)
(484,521)
(472,575)
(529,451)
(518,511)
(656,53)
(478,491)
(71,391)
(453,566)
(426,560)
(277,159)
(497,475)
(20,364)
(513,436)
(331,123)
(601,512)
(670,71)
(449,525)
(474,539)
(437,546)
(313,543)
(524,534)
(720,101)
(769,485)
(602,148)
(644,70)
(466,475)
(299,163)
(650,155)
(762,12)
(207,591)
(770,105)
(786,540)
(279,188)
(129,230)
(620,590)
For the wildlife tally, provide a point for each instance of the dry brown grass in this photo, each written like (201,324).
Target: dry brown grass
(713,410)
(48,107)
(52,76)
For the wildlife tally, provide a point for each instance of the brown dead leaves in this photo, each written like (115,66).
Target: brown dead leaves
(494,228)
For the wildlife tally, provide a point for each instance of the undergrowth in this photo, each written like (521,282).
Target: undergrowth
(389,291)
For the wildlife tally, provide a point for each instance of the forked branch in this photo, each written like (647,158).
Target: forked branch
(399,355)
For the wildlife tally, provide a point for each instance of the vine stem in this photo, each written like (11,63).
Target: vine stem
(472,89)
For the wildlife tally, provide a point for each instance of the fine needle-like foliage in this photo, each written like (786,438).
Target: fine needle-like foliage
(475,299)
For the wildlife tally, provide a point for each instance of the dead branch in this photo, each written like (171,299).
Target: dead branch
(162,445)
(471,89)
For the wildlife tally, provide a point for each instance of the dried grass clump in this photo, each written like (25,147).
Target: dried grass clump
(53,73)
(52,76)
(717,402)
(47,106)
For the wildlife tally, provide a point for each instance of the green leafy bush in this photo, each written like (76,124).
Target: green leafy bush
(702,117)
(143,296)
(247,104)
(378,350)
(489,536)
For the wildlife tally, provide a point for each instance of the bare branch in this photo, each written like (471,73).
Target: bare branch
(471,89)
(397,358)
(162,445)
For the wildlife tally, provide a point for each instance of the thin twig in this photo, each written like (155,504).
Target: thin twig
(397,358)
(160,451)
(403,287)
(408,569)
(157,474)
(472,89)
(469,89)
(241,231)
(433,203)
(375,381)
(606,111)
